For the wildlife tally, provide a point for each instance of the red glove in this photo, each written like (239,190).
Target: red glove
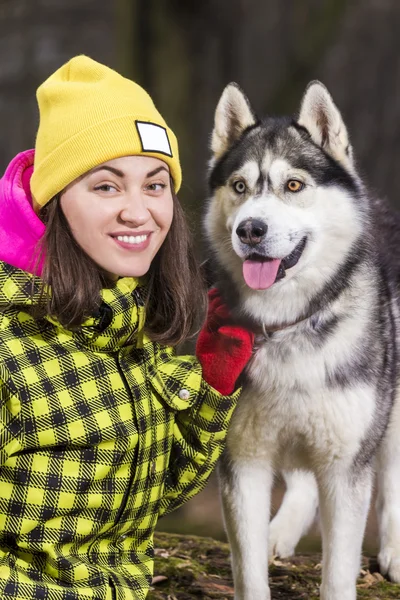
(223,349)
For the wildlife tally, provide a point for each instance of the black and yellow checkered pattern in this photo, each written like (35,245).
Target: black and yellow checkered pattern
(101,432)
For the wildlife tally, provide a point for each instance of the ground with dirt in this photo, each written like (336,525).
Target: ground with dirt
(189,568)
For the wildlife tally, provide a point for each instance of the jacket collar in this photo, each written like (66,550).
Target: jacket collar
(118,321)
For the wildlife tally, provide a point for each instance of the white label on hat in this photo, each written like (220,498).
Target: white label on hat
(154,138)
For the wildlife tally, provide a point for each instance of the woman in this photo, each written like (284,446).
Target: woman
(103,428)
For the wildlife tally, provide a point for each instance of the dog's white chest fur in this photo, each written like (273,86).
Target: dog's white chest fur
(290,414)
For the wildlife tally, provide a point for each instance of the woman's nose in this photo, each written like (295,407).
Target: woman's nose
(135,210)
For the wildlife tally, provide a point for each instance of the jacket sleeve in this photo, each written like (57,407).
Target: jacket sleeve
(10,422)
(201,422)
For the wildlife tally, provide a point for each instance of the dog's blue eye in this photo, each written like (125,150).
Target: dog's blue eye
(239,186)
(294,185)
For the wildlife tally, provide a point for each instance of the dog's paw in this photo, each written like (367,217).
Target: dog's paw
(283,539)
(389,563)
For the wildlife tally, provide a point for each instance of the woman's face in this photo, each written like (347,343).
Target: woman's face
(120,213)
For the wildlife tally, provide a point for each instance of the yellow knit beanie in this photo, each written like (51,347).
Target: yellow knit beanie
(90,114)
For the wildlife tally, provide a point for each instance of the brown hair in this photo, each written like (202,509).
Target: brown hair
(175,298)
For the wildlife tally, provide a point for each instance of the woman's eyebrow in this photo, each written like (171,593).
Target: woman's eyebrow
(111,169)
(157,171)
(122,175)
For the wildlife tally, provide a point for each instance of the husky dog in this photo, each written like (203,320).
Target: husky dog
(311,264)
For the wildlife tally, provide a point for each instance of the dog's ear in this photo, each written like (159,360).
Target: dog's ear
(320,116)
(232,116)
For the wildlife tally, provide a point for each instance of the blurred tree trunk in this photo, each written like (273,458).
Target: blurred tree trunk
(362,69)
(37,37)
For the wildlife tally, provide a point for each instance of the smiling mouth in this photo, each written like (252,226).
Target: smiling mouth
(135,243)
(261,272)
(132,239)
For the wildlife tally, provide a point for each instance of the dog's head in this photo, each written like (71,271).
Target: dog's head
(286,204)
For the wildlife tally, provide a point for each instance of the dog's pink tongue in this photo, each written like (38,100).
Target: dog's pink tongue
(260,275)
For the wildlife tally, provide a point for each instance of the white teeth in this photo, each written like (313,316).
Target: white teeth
(132,239)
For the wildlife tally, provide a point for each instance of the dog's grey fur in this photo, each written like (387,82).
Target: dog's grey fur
(321,394)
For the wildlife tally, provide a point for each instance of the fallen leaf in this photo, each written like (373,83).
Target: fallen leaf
(368,580)
(158,579)
(217,587)
(161,552)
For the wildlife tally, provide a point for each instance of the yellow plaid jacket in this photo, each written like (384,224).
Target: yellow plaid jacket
(101,432)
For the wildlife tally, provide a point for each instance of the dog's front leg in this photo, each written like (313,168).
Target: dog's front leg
(246,491)
(344,501)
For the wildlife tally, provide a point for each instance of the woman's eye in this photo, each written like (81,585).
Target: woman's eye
(294,185)
(156,187)
(239,186)
(105,187)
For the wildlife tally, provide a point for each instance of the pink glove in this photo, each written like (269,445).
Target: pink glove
(223,349)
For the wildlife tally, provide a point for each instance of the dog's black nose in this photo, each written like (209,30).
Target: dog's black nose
(251,231)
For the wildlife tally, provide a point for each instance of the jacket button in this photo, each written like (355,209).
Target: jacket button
(184,394)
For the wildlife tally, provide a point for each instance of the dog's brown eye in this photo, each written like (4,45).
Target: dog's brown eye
(293,185)
(239,186)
